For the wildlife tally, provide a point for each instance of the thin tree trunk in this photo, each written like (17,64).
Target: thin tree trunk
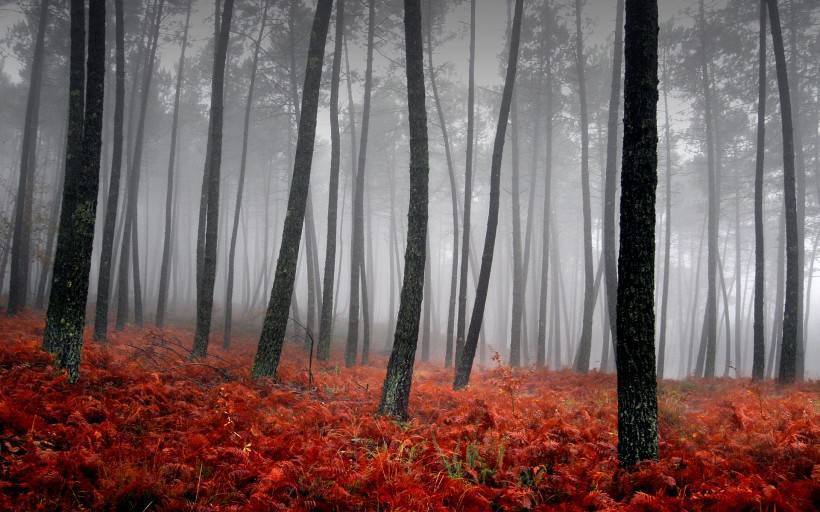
(759,350)
(777,323)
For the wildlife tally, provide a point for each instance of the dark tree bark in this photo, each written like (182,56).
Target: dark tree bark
(451,173)
(759,351)
(791,317)
(357,225)
(167,243)
(637,398)
(585,343)
(128,251)
(213,163)
(107,247)
(240,189)
(396,388)
(69,290)
(326,318)
(668,226)
(465,362)
(610,242)
(468,200)
(276,318)
(21,234)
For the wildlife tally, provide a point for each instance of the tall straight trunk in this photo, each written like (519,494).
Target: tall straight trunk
(468,200)
(267,357)
(465,362)
(65,319)
(365,312)
(710,317)
(791,311)
(777,323)
(240,188)
(165,265)
(21,234)
(213,163)
(610,242)
(451,173)
(541,355)
(668,227)
(107,247)
(129,250)
(396,388)
(357,226)
(759,351)
(326,315)
(637,396)
(517,263)
(585,343)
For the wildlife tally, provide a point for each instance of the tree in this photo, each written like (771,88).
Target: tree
(791,318)
(397,382)
(468,199)
(759,348)
(357,242)
(326,316)
(165,263)
(65,318)
(213,162)
(243,162)
(267,356)
(21,235)
(637,396)
(465,362)
(585,344)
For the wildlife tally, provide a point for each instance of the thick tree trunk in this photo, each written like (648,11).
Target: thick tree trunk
(211,175)
(165,265)
(326,316)
(585,343)
(759,351)
(396,388)
(464,364)
(240,188)
(791,311)
(276,318)
(21,234)
(637,398)
(65,319)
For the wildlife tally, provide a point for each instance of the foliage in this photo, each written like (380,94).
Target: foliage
(146,433)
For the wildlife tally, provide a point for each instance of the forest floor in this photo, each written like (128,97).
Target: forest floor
(143,430)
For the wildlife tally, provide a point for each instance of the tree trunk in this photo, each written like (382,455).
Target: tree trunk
(759,351)
(21,235)
(65,319)
(326,318)
(777,323)
(226,336)
(396,388)
(465,362)
(637,397)
(165,265)
(211,175)
(276,318)
(791,317)
(585,343)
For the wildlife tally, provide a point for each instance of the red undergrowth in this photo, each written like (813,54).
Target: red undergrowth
(139,432)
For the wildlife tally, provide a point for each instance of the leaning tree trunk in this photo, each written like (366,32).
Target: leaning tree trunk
(107,247)
(276,318)
(637,396)
(357,226)
(213,162)
(326,316)
(667,228)
(396,388)
(585,343)
(65,319)
(610,242)
(759,345)
(468,199)
(21,234)
(465,362)
(791,318)
(165,265)
(226,336)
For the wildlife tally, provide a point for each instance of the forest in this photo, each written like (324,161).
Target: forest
(409,255)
